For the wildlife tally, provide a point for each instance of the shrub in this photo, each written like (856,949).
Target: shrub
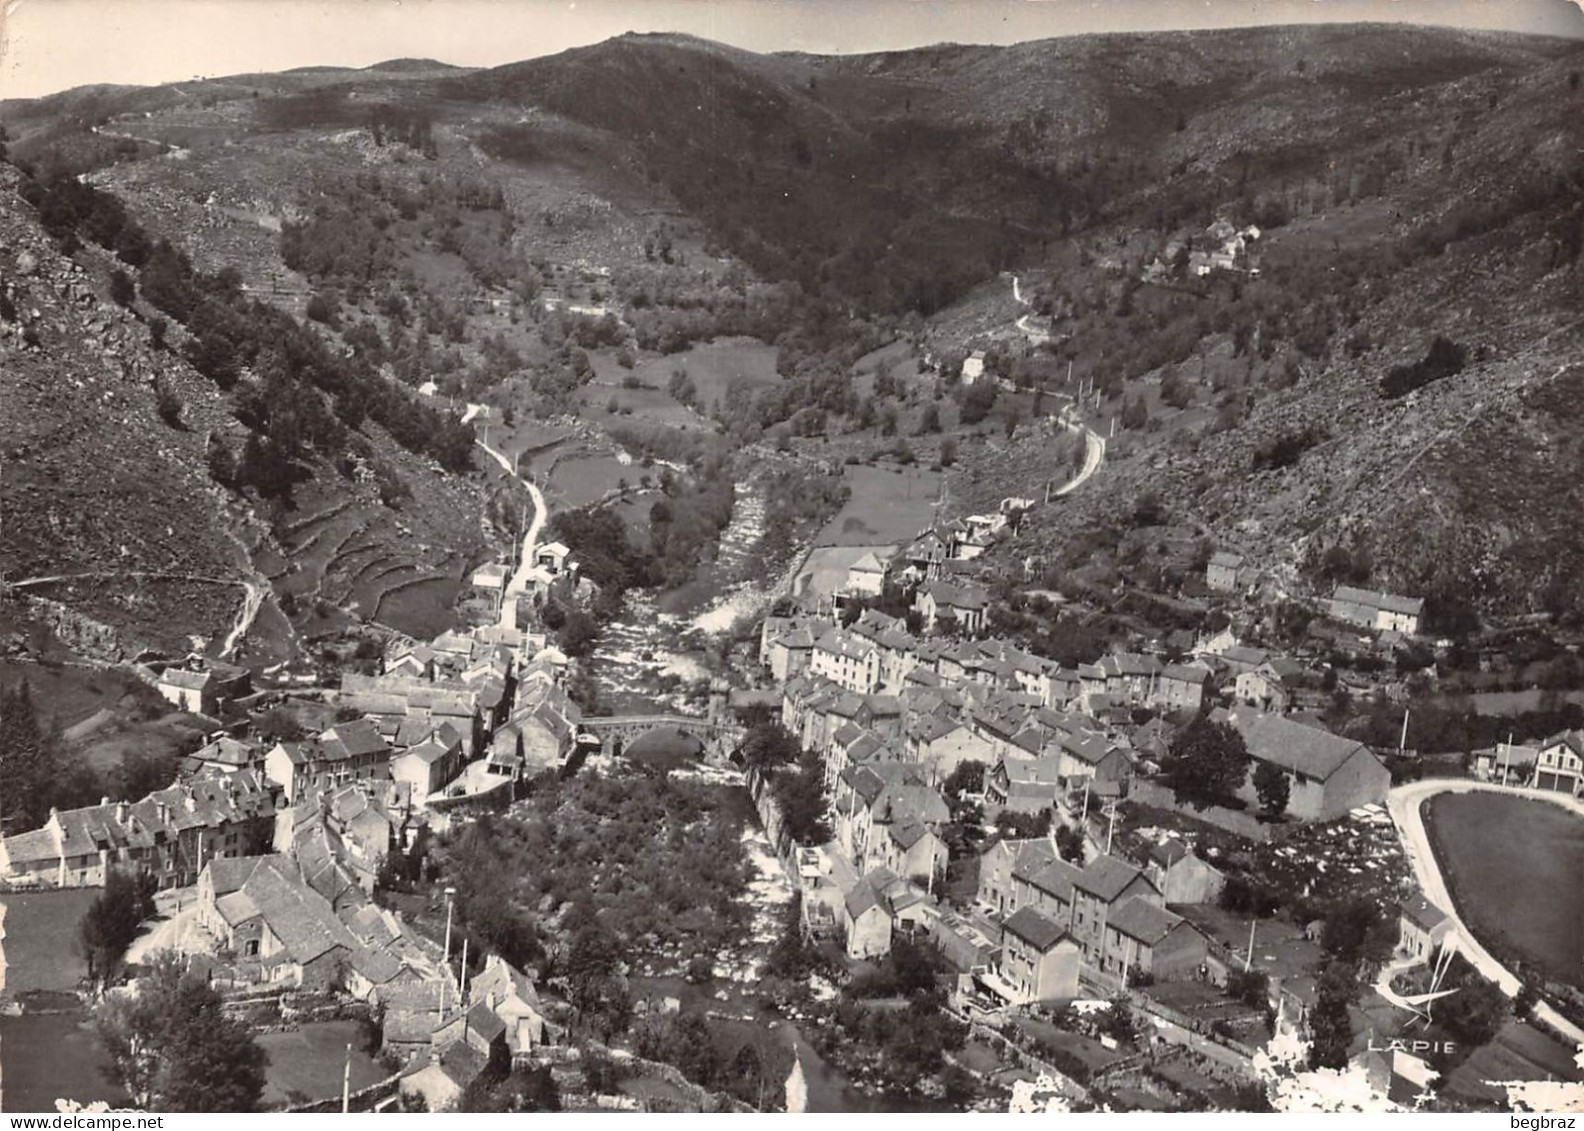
(1443,359)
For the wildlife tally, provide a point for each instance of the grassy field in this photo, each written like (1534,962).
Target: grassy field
(886,507)
(39,927)
(1513,867)
(69,694)
(51,1056)
(825,571)
(308,1063)
(583,479)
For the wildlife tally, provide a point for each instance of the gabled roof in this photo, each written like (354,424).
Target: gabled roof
(1058,877)
(1106,877)
(1142,920)
(1423,914)
(184,679)
(1294,746)
(1226,559)
(867,564)
(1386,602)
(1034,929)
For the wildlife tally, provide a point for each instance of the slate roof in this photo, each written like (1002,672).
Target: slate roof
(1423,914)
(1294,746)
(1387,602)
(1033,928)
(1105,877)
(186,680)
(1057,877)
(1139,919)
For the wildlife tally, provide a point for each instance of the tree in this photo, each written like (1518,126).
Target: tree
(1330,1024)
(767,745)
(109,926)
(800,793)
(1070,843)
(173,1048)
(930,420)
(167,404)
(948,452)
(1273,788)
(1117,1022)
(966,777)
(1207,760)
(30,760)
(122,290)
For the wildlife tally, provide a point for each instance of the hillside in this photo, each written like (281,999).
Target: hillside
(544,236)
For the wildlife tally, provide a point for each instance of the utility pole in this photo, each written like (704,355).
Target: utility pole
(449,894)
(346,1082)
(1248,959)
(1402,742)
(462,979)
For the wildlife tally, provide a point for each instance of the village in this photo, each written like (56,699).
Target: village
(1033,824)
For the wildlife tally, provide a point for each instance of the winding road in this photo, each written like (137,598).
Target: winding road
(252,601)
(1405,803)
(518,584)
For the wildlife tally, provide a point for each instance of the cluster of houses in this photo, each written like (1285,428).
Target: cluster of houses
(893,713)
(285,843)
(1223,246)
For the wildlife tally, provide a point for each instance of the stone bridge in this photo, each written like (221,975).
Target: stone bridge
(616,732)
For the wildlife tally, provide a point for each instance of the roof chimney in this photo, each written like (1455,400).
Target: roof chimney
(121,812)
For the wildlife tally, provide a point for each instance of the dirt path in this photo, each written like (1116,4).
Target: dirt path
(1404,803)
(519,582)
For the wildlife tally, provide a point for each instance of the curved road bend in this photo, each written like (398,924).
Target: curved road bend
(1404,803)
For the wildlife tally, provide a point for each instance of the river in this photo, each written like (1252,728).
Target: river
(647,655)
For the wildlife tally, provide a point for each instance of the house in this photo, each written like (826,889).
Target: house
(973,367)
(1328,775)
(1039,960)
(510,995)
(1560,763)
(1181,687)
(1222,572)
(847,660)
(965,604)
(490,580)
(942,744)
(1181,875)
(283,931)
(351,751)
(223,754)
(914,851)
(429,766)
(866,920)
(866,576)
(1271,686)
(191,691)
(1506,762)
(1383,612)
(542,730)
(1145,938)
(170,834)
(1023,785)
(552,557)
(1101,887)
(1421,929)
(999,862)
(786,647)
(439,1081)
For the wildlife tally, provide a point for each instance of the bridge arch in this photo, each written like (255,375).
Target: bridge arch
(616,733)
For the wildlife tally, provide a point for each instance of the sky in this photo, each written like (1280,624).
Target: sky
(50,45)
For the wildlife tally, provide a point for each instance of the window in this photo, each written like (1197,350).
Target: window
(252,948)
